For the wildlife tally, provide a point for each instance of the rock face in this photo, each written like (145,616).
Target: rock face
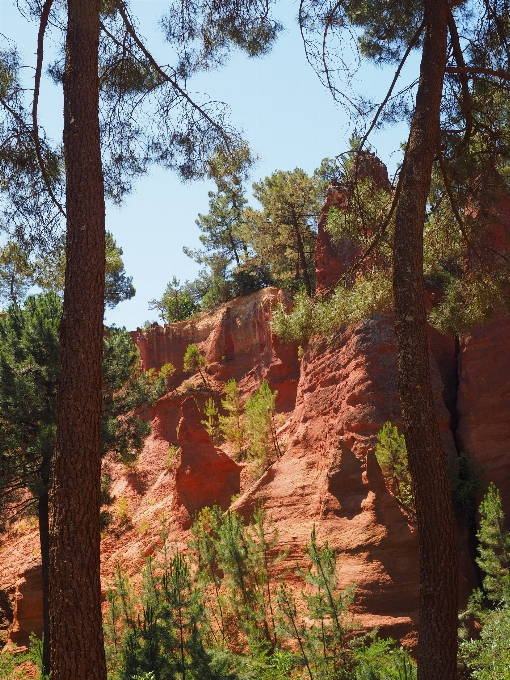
(27,615)
(483,404)
(237,342)
(329,477)
(205,475)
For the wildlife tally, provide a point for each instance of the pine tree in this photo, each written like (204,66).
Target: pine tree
(263,446)
(29,345)
(195,362)
(211,423)
(231,425)
(284,232)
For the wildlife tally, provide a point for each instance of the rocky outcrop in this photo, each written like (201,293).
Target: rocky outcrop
(205,475)
(329,477)
(483,404)
(237,341)
(27,614)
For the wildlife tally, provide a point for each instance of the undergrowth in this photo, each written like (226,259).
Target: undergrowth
(219,612)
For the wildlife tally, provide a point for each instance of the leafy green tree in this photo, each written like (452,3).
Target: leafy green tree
(283,233)
(226,205)
(29,346)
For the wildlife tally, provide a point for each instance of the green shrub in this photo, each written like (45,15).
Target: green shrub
(263,445)
(231,425)
(391,454)
(195,362)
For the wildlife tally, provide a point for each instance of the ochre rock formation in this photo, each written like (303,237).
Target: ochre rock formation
(483,404)
(205,475)
(332,404)
(27,615)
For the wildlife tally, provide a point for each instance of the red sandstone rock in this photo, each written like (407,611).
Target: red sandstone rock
(483,404)
(28,614)
(329,477)
(205,475)
(237,341)
(332,260)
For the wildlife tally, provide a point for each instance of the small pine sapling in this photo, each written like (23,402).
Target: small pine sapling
(391,454)
(231,425)
(327,640)
(262,538)
(487,655)
(212,424)
(195,362)
(263,444)
(291,625)
(204,543)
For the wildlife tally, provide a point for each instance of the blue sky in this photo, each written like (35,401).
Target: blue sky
(286,115)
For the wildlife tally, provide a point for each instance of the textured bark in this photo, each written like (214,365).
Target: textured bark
(436,525)
(76,638)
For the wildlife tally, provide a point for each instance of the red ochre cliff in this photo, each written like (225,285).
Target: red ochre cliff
(332,404)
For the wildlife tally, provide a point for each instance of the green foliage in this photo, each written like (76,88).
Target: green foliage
(494,548)
(263,445)
(177,303)
(325,316)
(327,640)
(391,454)
(195,362)
(284,232)
(28,380)
(487,656)
(231,425)
(11,663)
(219,613)
(383,660)
(211,423)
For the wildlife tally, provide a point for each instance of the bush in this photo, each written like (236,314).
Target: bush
(391,454)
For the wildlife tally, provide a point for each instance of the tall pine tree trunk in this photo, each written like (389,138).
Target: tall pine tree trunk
(76,637)
(436,525)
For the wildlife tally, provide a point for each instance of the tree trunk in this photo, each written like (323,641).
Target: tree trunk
(437,649)
(302,258)
(76,636)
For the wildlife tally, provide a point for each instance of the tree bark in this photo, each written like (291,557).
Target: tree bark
(437,649)
(76,636)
